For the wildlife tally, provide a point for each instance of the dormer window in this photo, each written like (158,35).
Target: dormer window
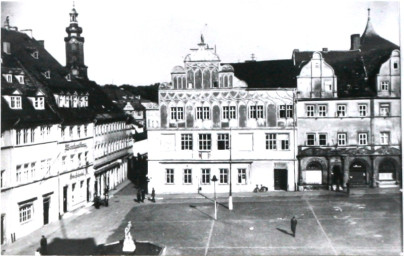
(47,74)
(6,48)
(385,85)
(15,102)
(395,65)
(39,102)
(35,55)
(68,78)
(8,77)
(20,79)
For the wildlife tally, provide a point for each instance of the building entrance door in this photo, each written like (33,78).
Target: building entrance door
(281,179)
(88,190)
(357,173)
(65,199)
(46,203)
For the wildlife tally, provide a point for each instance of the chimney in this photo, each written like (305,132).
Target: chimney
(355,42)
(325,49)
(41,43)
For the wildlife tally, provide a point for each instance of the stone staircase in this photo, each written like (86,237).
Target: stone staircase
(387,184)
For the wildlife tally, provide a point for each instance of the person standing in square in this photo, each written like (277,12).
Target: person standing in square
(293,224)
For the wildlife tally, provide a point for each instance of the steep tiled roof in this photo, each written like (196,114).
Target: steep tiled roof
(266,74)
(21,58)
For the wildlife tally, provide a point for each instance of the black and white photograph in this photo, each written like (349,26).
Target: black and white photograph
(174,127)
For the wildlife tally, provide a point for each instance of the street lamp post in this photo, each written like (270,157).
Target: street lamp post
(230,185)
(214,179)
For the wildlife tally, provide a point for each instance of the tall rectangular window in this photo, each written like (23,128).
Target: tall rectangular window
(187,176)
(79,131)
(363,109)
(232,114)
(18,173)
(32,135)
(177,113)
(242,176)
(384,85)
(322,139)
(363,138)
(284,140)
(205,141)
(26,133)
(384,109)
(310,139)
(289,111)
(309,110)
(322,110)
(186,141)
(85,130)
(205,176)
(223,141)
(18,134)
(15,102)
(282,111)
(71,131)
(224,176)
(26,212)
(170,176)
(341,110)
(341,139)
(33,171)
(270,140)
(384,138)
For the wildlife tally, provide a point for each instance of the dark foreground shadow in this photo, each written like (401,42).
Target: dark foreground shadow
(88,246)
(59,246)
(142,248)
(284,231)
(196,208)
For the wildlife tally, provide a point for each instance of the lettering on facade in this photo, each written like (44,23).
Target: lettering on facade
(75,146)
(76,174)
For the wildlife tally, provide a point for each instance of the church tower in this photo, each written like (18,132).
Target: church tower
(75,47)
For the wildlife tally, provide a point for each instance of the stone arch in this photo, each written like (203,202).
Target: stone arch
(358,171)
(388,169)
(198,79)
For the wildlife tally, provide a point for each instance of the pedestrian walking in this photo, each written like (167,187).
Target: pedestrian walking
(293,224)
(153,194)
(44,245)
(143,194)
(138,195)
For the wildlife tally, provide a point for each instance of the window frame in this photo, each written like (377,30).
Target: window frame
(363,110)
(223,141)
(322,112)
(341,110)
(310,110)
(186,141)
(205,141)
(362,139)
(26,212)
(270,141)
(169,176)
(384,86)
(308,141)
(386,109)
(223,176)
(187,176)
(240,173)
(320,140)
(384,140)
(205,176)
(342,137)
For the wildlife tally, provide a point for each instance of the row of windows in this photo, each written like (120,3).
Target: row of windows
(230,112)
(108,128)
(273,141)
(9,78)
(322,110)
(321,139)
(28,172)
(110,147)
(71,101)
(81,131)
(75,160)
(26,136)
(206,176)
(38,102)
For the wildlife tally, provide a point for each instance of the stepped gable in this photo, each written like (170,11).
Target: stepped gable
(266,74)
(22,47)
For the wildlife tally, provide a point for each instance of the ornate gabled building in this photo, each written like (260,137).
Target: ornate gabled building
(218,120)
(349,118)
(62,140)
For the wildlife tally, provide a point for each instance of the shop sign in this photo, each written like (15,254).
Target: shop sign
(75,146)
(79,173)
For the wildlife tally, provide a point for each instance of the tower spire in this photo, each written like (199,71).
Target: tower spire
(369,30)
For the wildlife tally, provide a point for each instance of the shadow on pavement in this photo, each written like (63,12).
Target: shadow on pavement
(212,200)
(284,231)
(59,246)
(195,207)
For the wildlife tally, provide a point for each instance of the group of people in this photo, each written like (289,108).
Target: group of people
(141,194)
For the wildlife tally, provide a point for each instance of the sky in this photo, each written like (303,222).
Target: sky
(139,42)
